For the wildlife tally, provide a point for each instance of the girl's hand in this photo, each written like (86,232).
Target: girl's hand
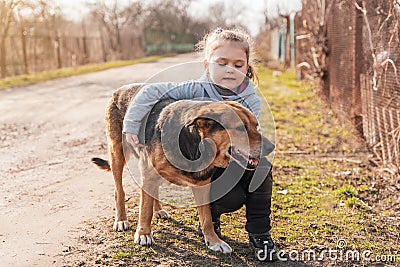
(133,140)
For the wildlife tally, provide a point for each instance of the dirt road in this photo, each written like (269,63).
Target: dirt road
(48,186)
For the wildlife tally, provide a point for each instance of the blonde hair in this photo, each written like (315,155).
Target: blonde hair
(215,38)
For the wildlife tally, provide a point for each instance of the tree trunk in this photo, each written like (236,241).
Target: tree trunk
(35,69)
(4,34)
(103,48)
(118,42)
(3,64)
(58,51)
(84,43)
(24,53)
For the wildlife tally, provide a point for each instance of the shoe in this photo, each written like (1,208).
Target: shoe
(263,246)
(217,228)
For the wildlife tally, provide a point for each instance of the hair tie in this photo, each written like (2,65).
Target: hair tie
(219,30)
(250,72)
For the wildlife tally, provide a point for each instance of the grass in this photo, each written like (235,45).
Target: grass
(27,79)
(320,196)
(324,182)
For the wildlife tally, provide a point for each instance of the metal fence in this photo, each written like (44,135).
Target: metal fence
(353,48)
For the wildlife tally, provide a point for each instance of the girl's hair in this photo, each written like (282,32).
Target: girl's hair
(215,38)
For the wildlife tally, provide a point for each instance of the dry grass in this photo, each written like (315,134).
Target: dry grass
(22,80)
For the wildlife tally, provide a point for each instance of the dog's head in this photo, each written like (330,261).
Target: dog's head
(233,129)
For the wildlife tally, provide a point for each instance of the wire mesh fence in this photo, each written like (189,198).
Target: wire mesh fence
(353,49)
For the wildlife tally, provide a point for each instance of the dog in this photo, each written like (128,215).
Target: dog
(206,132)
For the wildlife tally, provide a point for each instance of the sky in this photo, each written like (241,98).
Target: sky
(253,14)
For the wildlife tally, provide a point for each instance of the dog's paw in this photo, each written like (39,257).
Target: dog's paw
(161,214)
(221,247)
(121,226)
(143,240)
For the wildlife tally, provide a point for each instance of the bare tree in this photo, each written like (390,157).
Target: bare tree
(169,27)
(48,22)
(168,16)
(216,15)
(314,30)
(220,14)
(7,16)
(113,18)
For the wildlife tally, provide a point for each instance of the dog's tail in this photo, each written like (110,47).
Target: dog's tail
(102,164)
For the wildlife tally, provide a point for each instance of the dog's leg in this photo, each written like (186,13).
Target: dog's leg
(213,242)
(148,193)
(143,235)
(117,163)
(159,212)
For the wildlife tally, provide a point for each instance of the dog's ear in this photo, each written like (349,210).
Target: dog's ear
(185,148)
(201,123)
(208,116)
(204,118)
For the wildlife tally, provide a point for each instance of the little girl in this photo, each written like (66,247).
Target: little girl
(227,77)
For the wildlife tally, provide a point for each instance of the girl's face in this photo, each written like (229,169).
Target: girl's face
(227,65)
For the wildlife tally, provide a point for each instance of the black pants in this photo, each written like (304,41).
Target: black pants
(233,187)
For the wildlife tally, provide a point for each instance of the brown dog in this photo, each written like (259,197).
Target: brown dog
(210,135)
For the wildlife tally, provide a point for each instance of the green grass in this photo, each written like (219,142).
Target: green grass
(22,80)
(297,113)
(120,255)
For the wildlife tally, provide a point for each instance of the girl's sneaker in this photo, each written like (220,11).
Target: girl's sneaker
(263,246)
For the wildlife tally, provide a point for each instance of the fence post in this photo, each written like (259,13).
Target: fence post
(292,41)
(358,60)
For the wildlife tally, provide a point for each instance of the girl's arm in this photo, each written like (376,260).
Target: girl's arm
(148,96)
(254,104)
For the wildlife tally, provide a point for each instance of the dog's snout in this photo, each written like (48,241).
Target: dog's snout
(267,147)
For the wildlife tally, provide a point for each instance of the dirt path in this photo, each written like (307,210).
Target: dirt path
(48,186)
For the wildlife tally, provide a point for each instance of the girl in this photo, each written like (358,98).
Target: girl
(228,71)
